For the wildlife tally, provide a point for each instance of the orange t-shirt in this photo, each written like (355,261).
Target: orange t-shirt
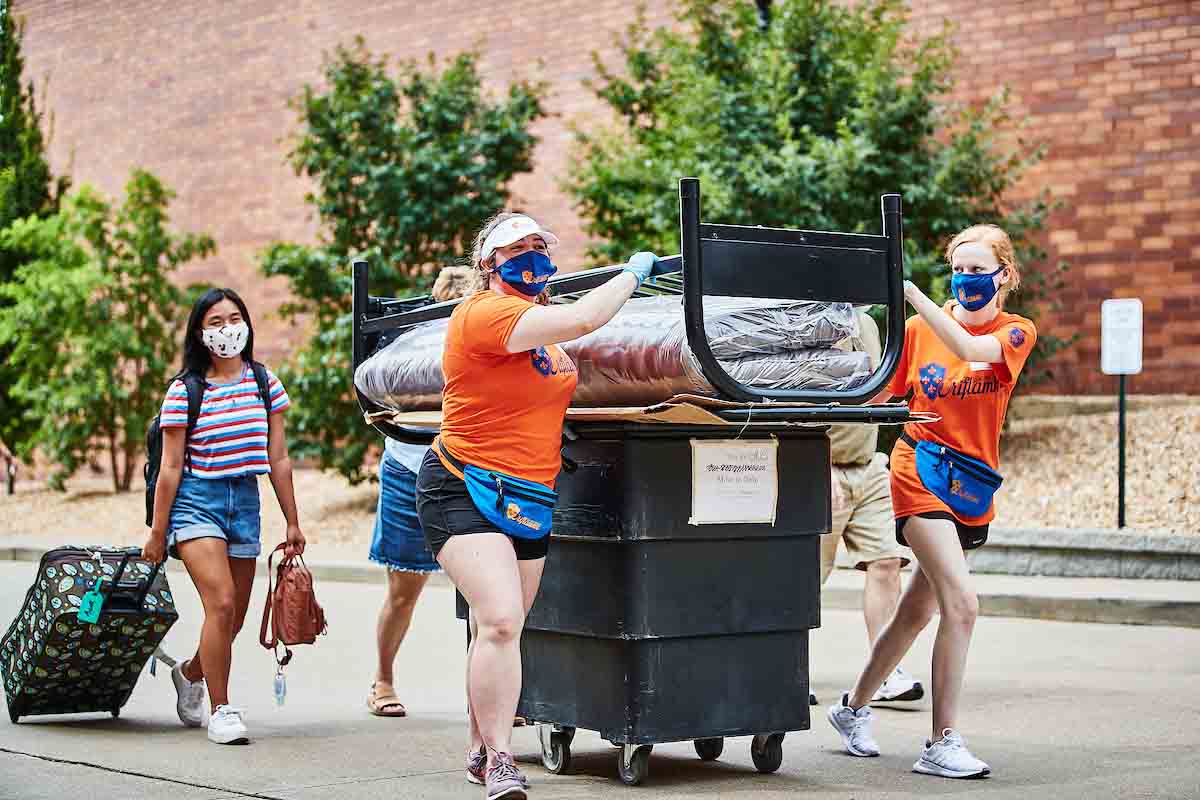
(501,410)
(970,397)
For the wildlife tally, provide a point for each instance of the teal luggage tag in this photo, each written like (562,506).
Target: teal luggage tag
(91,603)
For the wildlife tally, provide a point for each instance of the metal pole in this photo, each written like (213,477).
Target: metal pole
(1121,457)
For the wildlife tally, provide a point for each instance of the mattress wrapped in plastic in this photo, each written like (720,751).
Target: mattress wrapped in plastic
(641,356)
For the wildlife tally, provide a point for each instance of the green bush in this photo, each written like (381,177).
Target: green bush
(93,321)
(404,169)
(805,124)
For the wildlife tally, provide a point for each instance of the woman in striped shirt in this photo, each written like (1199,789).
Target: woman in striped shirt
(206,504)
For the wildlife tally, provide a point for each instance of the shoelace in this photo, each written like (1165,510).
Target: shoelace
(504,769)
(229,711)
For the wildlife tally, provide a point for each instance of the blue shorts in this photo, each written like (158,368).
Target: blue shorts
(398,543)
(217,508)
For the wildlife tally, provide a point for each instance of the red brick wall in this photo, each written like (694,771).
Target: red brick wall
(196,92)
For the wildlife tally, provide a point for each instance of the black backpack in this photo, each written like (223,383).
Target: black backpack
(195,395)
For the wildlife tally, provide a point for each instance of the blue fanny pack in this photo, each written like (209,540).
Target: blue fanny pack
(517,507)
(965,484)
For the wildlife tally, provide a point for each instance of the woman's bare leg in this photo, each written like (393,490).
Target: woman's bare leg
(484,568)
(935,543)
(207,561)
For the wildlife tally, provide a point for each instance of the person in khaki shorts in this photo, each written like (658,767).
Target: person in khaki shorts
(862,518)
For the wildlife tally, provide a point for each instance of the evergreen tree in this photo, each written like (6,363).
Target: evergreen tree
(27,188)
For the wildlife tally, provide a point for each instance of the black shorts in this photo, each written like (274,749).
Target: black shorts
(446,509)
(969,536)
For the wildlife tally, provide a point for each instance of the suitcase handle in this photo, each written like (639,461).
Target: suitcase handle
(133,592)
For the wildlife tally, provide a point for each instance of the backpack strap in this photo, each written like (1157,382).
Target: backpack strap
(194,384)
(266,633)
(264,384)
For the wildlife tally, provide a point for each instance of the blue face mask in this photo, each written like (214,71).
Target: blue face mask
(973,292)
(528,272)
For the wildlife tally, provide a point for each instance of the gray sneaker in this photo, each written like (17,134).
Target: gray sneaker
(949,757)
(505,780)
(190,699)
(854,728)
(477,767)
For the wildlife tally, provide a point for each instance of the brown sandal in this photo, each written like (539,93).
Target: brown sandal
(385,706)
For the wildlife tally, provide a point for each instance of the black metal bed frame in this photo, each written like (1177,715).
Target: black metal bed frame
(718,260)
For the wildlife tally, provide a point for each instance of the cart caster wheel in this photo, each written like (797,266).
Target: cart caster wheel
(767,751)
(709,749)
(116,712)
(633,763)
(556,748)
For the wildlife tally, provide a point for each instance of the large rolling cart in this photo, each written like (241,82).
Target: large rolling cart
(650,628)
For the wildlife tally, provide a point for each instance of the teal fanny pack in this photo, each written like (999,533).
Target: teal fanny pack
(517,507)
(963,483)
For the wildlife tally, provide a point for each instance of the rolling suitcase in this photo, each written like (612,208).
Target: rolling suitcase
(91,619)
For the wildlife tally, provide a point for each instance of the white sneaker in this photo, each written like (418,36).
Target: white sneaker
(854,727)
(225,726)
(191,698)
(949,757)
(899,686)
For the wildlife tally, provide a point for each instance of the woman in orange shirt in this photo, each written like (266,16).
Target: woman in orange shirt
(485,490)
(961,362)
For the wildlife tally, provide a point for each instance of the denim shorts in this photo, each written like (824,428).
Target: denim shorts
(398,542)
(217,508)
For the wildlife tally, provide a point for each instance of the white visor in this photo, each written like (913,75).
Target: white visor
(514,229)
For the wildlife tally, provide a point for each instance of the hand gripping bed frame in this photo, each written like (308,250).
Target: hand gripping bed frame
(650,627)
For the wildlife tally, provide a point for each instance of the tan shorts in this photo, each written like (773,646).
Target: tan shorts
(865,521)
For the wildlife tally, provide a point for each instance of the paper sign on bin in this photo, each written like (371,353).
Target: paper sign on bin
(734,481)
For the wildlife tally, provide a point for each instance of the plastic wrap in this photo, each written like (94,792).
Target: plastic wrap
(641,357)
(407,373)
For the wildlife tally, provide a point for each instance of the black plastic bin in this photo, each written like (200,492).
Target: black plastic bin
(648,629)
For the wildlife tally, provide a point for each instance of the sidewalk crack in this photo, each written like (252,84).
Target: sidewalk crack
(220,790)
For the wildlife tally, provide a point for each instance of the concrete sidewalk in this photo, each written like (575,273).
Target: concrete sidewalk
(1103,600)
(1062,710)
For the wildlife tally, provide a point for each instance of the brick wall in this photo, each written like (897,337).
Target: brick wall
(196,92)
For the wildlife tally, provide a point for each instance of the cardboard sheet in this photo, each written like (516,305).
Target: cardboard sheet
(679,410)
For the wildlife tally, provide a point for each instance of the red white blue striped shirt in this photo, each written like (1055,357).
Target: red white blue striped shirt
(230,437)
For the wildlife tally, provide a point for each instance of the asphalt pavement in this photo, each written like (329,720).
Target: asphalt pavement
(1060,710)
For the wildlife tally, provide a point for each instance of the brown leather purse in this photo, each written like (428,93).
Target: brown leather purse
(292,614)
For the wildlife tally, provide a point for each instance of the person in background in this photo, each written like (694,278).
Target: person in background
(862,518)
(398,542)
(206,504)
(960,362)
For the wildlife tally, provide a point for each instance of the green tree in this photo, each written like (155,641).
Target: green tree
(404,169)
(804,123)
(94,322)
(26,187)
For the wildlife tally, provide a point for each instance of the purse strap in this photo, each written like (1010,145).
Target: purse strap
(267,629)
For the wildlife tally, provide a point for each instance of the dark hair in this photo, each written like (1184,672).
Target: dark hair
(196,358)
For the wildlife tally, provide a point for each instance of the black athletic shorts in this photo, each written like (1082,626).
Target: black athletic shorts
(446,509)
(969,536)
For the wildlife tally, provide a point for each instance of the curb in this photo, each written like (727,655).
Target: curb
(1113,610)
(1088,553)
(1104,610)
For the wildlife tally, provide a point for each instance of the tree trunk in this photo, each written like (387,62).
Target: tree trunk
(112,460)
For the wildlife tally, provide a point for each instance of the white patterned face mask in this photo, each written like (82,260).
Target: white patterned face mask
(226,341)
